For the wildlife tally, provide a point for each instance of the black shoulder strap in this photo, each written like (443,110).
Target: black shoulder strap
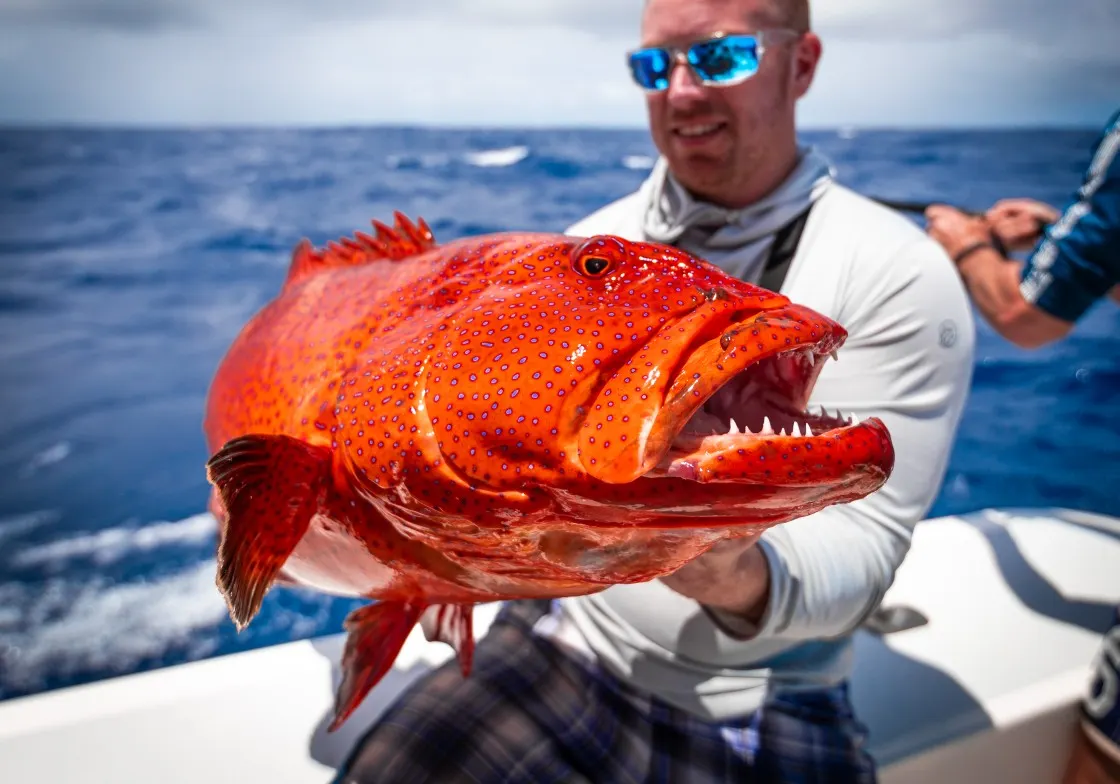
(782,251)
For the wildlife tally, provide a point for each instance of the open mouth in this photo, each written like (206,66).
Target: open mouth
(723,396)
(760,410)
(767,399)
(756,425)
(698,132)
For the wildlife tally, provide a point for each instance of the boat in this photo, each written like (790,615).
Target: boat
(971,670)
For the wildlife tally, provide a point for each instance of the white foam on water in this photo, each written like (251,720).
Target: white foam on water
(21,524)
(506,156)
(48,457)
(637,162)
(67,626)
(239,208)
(112,544)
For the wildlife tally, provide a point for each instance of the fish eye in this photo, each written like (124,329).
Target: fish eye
(597,256)
(594,265)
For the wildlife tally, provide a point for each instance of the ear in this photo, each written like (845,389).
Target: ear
(805,59)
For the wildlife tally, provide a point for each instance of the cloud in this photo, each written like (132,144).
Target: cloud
(545,62)
(128,15)
(878,20)
(1031,21)
(373,71)
(590,16)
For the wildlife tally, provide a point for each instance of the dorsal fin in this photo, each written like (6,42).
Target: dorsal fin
(392,244)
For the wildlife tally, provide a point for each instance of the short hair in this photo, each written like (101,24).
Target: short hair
(791,13)
(794,14)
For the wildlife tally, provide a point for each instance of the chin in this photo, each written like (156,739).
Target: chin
(701,173)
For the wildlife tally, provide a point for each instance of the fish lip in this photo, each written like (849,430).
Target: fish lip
(875,465)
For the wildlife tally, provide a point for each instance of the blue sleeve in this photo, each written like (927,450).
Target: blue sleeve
(1078,260)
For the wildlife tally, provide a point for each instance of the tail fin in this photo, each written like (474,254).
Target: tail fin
(393,244)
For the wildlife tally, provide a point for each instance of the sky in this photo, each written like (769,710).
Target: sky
(886,63)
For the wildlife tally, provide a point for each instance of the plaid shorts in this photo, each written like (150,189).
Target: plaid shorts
(531,714)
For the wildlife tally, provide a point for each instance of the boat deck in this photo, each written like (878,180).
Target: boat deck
(986,690)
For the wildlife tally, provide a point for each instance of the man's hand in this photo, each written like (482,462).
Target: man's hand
(1019,222)
(733,576)
(955,230)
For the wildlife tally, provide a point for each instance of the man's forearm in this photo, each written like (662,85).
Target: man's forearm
(743,618)
(993,284)
(733,579)
(746,591)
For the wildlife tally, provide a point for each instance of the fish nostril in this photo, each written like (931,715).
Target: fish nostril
(715,293)
(728,336)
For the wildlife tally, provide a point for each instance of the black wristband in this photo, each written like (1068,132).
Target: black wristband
(968,251)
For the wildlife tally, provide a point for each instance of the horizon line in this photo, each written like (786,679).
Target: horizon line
(117,125)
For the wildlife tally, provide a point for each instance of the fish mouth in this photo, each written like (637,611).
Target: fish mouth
(758,428)
(735,409)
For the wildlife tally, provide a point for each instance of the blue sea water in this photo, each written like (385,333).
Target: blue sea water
(130,259)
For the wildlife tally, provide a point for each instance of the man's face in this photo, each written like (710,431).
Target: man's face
(714,137)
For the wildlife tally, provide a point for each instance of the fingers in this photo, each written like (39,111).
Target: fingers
(1028,209)
(937,212)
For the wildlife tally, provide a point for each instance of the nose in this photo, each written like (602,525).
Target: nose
(685,86)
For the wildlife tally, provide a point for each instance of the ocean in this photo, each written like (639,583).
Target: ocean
(129,260)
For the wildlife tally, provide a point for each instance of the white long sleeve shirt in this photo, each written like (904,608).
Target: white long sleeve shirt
(908,360)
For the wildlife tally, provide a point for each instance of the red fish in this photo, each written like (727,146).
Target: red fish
(510,416)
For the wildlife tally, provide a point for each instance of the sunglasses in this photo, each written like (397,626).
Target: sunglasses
(720,61)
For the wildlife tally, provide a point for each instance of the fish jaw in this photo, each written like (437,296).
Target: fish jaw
(789,342)
(858,456)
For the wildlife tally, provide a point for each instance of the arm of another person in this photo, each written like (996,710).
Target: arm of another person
(908,360)
(1077,262)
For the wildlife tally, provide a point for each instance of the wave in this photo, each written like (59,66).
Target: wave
(48,457)
(79,623)
(20,524)
(487,159)
(637,162)
(114,544)
(505,156)
(69,626)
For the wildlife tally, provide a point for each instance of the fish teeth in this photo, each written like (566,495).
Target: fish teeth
(855,419)
(734,427)
(811,357)
(795,431)
(808,431)
(834,356)
(766,429)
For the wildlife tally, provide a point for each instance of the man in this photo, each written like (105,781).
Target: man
(1076,263)
(734,668)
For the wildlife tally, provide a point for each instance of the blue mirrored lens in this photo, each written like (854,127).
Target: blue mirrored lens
(725,59)
(650,68)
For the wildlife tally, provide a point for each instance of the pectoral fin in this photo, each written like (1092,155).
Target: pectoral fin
(270,486)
